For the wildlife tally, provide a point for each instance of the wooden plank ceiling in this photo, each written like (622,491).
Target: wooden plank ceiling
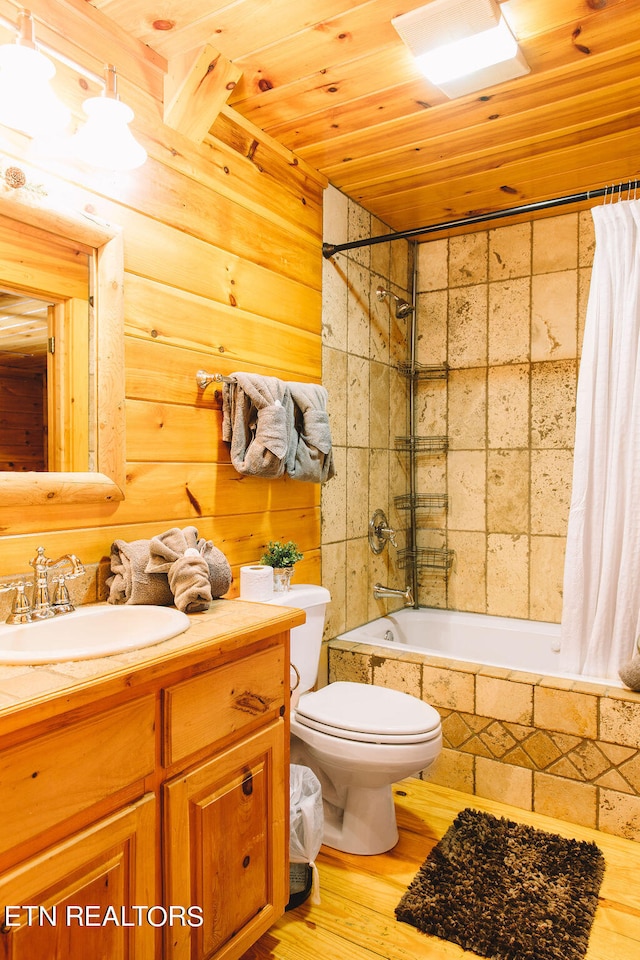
(332,81)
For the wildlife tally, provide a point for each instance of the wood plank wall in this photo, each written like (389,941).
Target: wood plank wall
(23,407)
(223,272)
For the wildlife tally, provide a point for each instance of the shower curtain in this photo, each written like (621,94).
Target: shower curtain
(601,605)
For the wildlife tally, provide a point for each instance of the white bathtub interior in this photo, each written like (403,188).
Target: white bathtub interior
(528,645)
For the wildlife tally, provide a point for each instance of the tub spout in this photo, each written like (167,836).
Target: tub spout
(380,592)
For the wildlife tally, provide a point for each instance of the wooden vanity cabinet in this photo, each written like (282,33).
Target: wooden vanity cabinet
(172,796)
(62,899)
(62,880)
(225,836)
(226,815)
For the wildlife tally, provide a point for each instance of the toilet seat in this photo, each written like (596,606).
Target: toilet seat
(368,714)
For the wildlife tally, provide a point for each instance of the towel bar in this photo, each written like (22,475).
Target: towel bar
(203,379)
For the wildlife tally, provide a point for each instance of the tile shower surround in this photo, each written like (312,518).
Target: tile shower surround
(363,342)
(505,309)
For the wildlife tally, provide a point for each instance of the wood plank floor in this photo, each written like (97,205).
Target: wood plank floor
(356,921)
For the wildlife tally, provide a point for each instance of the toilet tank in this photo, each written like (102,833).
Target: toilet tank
(306,640)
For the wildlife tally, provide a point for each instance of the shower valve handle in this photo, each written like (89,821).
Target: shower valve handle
(380,532)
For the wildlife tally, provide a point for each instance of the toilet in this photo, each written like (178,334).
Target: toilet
(357,738)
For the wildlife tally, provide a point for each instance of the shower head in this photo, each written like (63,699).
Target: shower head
(403,308)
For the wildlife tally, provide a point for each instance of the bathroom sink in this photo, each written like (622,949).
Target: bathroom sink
(90,631)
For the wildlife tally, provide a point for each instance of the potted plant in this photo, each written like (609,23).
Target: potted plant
(282,557)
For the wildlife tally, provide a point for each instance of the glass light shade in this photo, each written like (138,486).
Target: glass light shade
(105,140)
(27,101)
(468,55)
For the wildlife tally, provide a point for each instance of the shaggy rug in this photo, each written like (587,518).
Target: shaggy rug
(506,891)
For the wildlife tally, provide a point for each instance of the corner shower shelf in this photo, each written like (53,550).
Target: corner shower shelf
(434,558)
(424,371)
(422,501)
(425,444)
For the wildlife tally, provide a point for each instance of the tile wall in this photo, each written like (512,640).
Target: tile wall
(505,309)
(362,345)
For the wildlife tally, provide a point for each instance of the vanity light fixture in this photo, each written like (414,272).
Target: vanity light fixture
(28,104)
(462,46)
(105,140)
(27,101)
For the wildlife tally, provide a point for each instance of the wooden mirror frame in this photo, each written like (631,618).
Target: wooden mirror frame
(106,484)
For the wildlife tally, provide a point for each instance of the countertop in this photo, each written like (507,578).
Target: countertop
(46,690)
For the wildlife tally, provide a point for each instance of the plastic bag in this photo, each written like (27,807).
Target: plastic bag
(306,821)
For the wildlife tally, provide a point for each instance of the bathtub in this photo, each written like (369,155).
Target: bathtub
(529,645)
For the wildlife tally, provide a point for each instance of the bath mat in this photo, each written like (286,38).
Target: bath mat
(506,890)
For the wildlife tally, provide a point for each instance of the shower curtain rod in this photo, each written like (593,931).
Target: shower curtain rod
(328,249)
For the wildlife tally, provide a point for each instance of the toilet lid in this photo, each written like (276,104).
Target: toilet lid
(359,711)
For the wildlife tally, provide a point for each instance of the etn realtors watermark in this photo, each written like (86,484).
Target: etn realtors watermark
(87,915)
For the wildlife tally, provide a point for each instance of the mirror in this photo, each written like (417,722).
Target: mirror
(86,382)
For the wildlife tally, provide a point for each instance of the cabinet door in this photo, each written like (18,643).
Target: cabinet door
(226,836)
(73,901)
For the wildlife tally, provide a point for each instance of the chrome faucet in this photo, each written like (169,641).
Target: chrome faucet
(42,606)
(380,592)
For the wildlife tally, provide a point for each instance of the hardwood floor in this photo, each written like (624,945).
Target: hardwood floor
(356,921)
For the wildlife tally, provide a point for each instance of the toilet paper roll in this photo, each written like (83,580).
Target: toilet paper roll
(256,582)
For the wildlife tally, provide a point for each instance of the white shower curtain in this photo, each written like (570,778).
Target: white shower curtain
(601,605)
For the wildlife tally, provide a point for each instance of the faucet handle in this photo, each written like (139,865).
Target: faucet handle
(380,532)
(61,601)
(21,608)
(390,534)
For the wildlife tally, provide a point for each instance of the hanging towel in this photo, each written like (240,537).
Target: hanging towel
(312,458)
(196,570)
(130,582)
(630,673)
(257,419)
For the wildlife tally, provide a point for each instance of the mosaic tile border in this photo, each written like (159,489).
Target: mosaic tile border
(591,761)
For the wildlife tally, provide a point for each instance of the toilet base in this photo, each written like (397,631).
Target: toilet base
(367,823)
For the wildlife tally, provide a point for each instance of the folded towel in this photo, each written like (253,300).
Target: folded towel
(257,419)
(130,581)
(196,570)
(220,576)
(313,455)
